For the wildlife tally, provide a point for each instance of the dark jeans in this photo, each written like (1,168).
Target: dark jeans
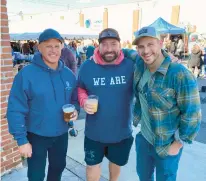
(148,160)
(56,148)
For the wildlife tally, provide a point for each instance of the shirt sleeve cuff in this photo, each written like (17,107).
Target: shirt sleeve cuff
(22,141)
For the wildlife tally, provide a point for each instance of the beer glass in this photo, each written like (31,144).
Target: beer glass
(68,110)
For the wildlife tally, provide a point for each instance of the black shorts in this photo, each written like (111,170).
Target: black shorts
(117,153)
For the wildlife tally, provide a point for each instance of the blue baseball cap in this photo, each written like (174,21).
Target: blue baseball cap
(50,34)
(146,31)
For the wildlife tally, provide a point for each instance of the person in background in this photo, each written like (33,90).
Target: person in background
(81,51)
(180,48)
(90,50)
(69,59)
(195,62)
(95,44)
(73,48)
(173,47)
(204,64)
(203,67)
(167,44)
(35,116)
(35,47)
(31,44)
(26,49)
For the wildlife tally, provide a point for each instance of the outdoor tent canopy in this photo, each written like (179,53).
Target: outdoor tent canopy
(163,27)
(24,36)
(35,36)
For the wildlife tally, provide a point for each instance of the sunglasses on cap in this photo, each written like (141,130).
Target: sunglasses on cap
(109,34)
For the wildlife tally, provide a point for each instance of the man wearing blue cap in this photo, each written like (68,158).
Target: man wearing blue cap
(35,115)
(167,106)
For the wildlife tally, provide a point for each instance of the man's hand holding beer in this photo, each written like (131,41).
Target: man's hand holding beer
(74,116)
(91,104)
(70,113)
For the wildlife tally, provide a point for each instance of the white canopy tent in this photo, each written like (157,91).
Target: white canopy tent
(30,29)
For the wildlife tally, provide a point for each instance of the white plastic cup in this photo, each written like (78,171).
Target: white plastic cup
(93,100)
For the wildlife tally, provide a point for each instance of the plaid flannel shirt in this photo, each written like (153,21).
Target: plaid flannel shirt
(174,103)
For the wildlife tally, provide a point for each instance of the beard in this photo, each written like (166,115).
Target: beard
(109,59)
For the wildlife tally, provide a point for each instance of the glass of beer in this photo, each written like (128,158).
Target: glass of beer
(93,100)
(68,110)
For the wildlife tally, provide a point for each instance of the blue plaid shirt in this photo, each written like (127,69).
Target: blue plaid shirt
(174,103)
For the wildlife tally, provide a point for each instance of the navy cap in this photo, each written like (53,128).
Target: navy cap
(50,34)
(108,33)
(147,31)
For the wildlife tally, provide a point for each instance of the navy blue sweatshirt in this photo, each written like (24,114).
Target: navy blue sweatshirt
(36,99)
(113,85)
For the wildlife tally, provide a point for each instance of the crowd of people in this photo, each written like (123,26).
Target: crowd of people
(166,104)
(175,45)
(197,61)
(195,53)
(81,49)
(24,47)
